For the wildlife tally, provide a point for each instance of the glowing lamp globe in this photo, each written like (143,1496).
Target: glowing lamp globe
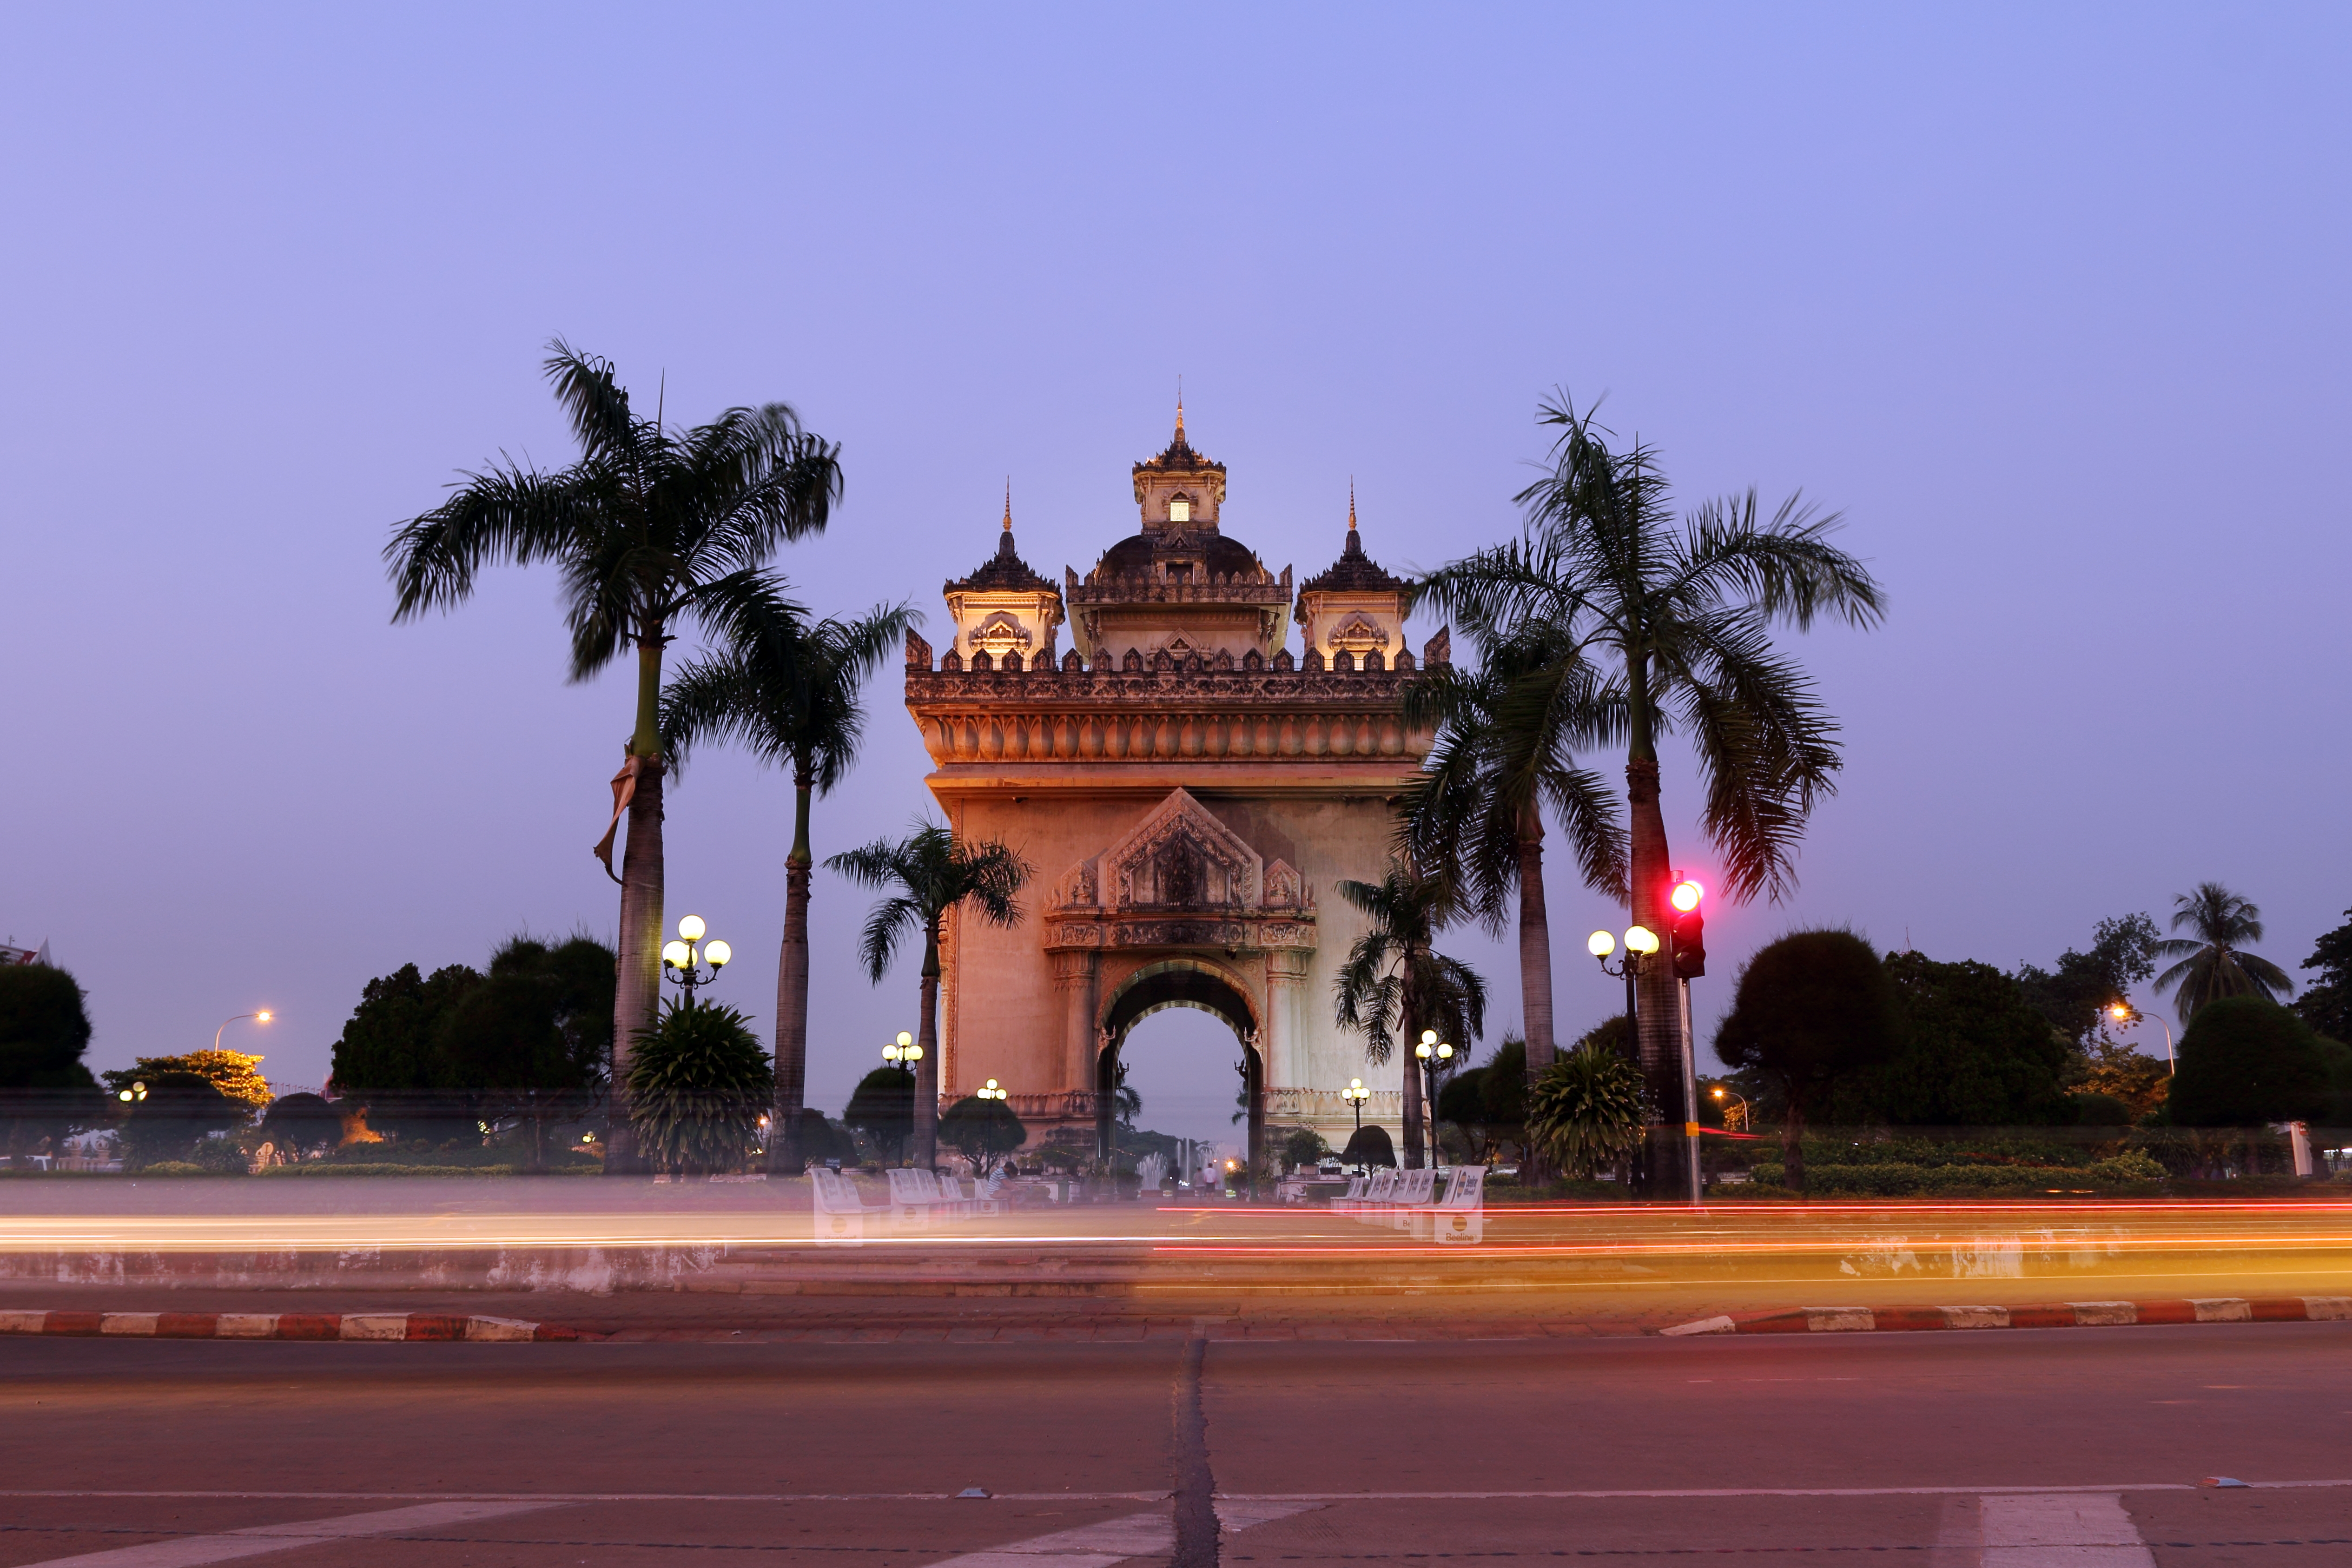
(1601,944)
(676,954)
(1641,939)
(719,952)
(691,928)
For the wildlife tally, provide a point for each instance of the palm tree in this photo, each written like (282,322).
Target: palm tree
(1684,618)
(652,526)
(1395,983)
(932,873)
(788,690)
(1503,753)
(2214,965)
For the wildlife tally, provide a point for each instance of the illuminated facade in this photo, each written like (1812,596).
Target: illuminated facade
(1183,785)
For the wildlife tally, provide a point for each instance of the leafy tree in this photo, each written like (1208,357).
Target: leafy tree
(883,1108)
(1812,1010)
(2327,1003)
(1303,1146)
(45,1089)
(698,1084)
(1395,983)
(932,873)
(531,1040)
(234,1073)
(1369,1146)
(2078,997)
(169,1113)
(2245,1061)
(1975,1053)
(1503,753)
(1588,1109)
(1503,1091)
(1680,618)
(389,1056)
(2093,1109)
(981,1129)
(2214,963)
(302,1121)
(2139,1082)
(652,526)
(787,689)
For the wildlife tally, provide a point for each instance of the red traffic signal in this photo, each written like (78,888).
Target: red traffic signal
(1688,930)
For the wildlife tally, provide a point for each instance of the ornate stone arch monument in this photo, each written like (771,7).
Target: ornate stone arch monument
(1182,783)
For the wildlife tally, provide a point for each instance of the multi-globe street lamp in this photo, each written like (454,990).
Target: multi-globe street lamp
(1435,1057)
(678,958)
(1640,942)
(903,1053)
(1355,1094)
(989,1090)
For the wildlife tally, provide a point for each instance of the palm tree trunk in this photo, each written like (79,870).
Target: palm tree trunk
(927,1071)
(784,1152)
(1408,1037)
(1658,1036)
(636,999)
(1535,970)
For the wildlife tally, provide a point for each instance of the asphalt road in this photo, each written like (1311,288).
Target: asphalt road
(2017,1450)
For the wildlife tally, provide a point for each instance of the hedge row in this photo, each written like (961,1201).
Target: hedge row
(1892,1181)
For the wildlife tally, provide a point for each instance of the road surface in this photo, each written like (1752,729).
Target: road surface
(2025,1449)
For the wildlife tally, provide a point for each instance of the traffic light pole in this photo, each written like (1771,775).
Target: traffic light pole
(1690,1101)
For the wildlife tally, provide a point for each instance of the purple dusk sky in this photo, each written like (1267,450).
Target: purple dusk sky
(2049,300)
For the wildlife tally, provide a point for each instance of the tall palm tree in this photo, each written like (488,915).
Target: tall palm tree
(2215,964)
(652,526)
(1504,753)
(933,872)
(1684,618)
(1395,983)
(788,690)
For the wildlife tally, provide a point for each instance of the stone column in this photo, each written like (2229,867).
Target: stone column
(1283,1038)
(1077,983)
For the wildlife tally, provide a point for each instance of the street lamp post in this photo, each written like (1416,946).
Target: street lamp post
(903,1054)
(263,1016)
(1640,942)
(1745,1114)
(678,959)
(2125,1014)
(1355,1094)
(1435,1057)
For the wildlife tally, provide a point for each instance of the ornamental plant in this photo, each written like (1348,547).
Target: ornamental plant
(698,1084)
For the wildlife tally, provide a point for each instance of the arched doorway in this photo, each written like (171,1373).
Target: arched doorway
(1181,982)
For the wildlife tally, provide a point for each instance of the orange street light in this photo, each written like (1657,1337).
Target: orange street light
(263,1016)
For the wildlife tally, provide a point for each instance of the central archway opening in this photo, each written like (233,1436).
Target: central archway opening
(1198,1064)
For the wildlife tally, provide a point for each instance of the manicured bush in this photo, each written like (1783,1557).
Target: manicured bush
(2245,1061)
(699,1083)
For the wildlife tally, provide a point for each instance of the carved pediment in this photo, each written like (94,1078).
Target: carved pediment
(1178,858)
(1358,633)
(1000,631)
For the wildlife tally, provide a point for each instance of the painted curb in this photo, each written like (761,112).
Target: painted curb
(374,1326)
(2052,1315)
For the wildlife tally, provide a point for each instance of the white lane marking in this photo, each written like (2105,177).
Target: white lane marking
(1089,1546)
(2061,1530)
(1237,1514)
(1960,1534)
(192,1551)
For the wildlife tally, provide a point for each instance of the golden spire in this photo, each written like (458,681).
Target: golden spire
(1008,503)
(1351,505)
(1180,410)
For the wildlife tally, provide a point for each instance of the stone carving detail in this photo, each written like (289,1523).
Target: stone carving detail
(1076,888)
(998,632)
(1181,857)
(1284,889)
(1358,633)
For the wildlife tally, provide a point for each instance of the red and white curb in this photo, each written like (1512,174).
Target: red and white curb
(2053,1315)
(379,1326)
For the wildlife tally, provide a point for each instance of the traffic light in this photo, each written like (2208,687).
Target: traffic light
(1688,930)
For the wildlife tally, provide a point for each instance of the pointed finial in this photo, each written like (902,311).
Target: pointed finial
(1180,410)
(1351,508)
(1008,503)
